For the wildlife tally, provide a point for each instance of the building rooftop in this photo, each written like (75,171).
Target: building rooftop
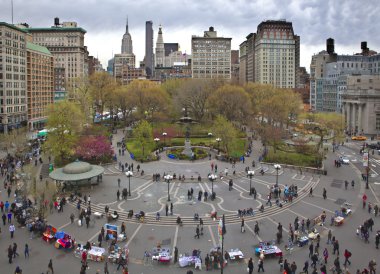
(38,48)
(12,26)
(52,29)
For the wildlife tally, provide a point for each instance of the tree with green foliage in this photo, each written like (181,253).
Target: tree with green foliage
(64,123)
(226,131)
(143,132)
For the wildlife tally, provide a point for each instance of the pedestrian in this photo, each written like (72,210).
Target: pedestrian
(242,225)
(87,221)
(347,254)
(260,265)
(336,247)
(377,240)
(72,217)
(118,194)
(171,208)
(352,183)
(345,184)
(50,266)
(14,249)
(197,232)
(311,250)
(329,236)
(293,267)
(324,193)
(10,253)
(311,192)
(100,239)
(106,268)
(207,262)
(166,209)
(18,270)
(250,266)
(9,191)
(372,267)
(118,182)
(89,199)
(364,200)
(4,218)
(26,251)
(306,267)
(257,229)
(325,254)
(337,264)
(12,230)
(9,215)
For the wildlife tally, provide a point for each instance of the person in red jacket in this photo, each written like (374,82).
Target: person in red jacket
(364,200)
(347,255)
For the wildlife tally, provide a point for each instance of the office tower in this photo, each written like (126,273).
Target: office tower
(13,97)
(40,84)
(211,56)
(126,42)
(66,42)
(272,54)
(160,49)
(149,56)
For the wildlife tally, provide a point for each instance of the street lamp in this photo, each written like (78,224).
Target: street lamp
(250,175)
(218,140)
(212,178)
(277,168)
(168,178)
(129,174)
(164,134)
(156,140)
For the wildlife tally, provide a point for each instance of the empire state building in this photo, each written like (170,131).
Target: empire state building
(126,42)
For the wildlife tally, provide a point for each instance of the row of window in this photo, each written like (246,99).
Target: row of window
(13,35)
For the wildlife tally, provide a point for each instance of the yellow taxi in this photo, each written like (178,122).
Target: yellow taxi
(358,138)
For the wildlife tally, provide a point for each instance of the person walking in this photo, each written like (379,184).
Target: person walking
(260,265)
(207,261)
(26,251)
(171,208)
(377,240)
(311,250)
(50,266)
(10,254)
(347,254)
(12,230)
(336,247)
(14,250)
(306,267)
(72,217)
(118,194)
(9,215)
(4,218)
(242,225)
(324,193)
(197,232)
(175,254)
(325,254)
(166,209)
(250,266)
(293,267)
(106,268)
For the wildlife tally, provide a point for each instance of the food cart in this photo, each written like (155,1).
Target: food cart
(338,221)
(49,234)
(313,234)
(302,241)
(64,241)
(268,249)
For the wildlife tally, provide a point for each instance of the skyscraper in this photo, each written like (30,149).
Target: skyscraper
(160,49)
(126,42)
(211,56)
(272,54)
(149,56)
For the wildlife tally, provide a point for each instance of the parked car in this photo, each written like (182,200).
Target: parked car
(344,160)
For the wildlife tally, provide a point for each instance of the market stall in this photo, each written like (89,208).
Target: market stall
(49,234)
(269,249)
(187,260)
(64,241)
(161,254)
(95,253)
(111,231)
(235,254)
(116,251)
(313,234)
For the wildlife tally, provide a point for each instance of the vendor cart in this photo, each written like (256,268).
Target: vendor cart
(268,249)
(313,234)
(235,255)
(338,221)
(64,241)
(161,255)
(49,234)
(96,254)
(302,241)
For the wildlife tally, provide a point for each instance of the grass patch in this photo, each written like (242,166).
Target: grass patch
(292,158)
(133,146)
(199,153)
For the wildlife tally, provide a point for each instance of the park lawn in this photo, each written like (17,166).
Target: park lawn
(291,158)
(133,146)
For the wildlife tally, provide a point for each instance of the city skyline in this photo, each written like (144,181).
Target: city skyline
(348,22)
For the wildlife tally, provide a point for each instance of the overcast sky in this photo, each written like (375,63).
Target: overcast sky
(347,21)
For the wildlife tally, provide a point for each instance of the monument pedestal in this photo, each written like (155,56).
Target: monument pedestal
(187,151)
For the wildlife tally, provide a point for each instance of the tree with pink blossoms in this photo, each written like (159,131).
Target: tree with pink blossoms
(94,149)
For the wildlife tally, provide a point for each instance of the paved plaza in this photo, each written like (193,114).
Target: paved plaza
(151,197)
